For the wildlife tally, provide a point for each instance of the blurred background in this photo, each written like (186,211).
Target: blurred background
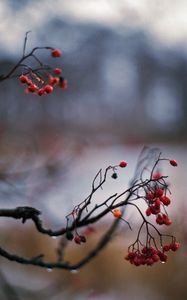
(126,65)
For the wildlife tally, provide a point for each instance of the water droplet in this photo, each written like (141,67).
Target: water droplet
(74,271)
(163,262)
(49,269)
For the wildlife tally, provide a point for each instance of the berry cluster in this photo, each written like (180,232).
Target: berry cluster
(149,255)
(44,79)
(156,200)
(150,245)
(155,197)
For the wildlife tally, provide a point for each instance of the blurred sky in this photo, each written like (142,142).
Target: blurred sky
(164,19)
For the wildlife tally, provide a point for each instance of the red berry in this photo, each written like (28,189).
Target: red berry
(152,250)
(63,84)
(148,212)
(137,261)
(117,213)
(166,220)
(83,239)
(130,255)
(166,248)
(157,203)
(163,256)
(149,261)
(23,79)
(144,250)
(174,246)
(159,219)
(57,71)
(155,257)
(156,176)
(29,82)
(77,239)
(150,196)
(53,80)
(155,210)
(56,53)
(165,200)
(143,260)
(48,89)
(123,164)
(173,162)
(41,92)
(32,88)
(159,192)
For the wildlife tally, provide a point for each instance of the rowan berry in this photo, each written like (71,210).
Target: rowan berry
(29,82)
(163,256)
(123,164)
(77,239)
(23,79)
(174,246)
(82,238)
(165,200)
(130,256)
(63,83)
(166,248)
(56,52)
(156,176)
(56,80)
(57,71)
(150,196)
(53,80)
(159,192)
(157,203)
(167,221)
(117,213)
(41,91)
(159,219)
(144,250)
(48,89)
(154,210)
(32,88)
(155,257)
(148,212)
(137,261)
(173,162)
(149,261)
